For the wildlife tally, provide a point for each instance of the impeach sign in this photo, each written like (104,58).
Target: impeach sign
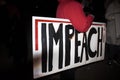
(57,46)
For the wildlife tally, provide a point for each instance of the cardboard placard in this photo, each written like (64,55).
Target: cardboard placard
(57,46)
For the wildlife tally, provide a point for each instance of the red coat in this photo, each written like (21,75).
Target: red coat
(72,10)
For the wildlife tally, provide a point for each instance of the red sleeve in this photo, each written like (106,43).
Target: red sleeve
(74,12)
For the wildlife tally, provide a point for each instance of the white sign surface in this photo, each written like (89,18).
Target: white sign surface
(57,46)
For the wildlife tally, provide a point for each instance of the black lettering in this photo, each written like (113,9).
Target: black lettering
(44,47)
(99,41)
(56,36)
(91,53)
(77,43)
(84,46)
(68,37)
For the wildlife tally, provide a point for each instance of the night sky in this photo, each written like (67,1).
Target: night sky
(47,8)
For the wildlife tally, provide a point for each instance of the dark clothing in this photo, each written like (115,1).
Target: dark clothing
(113,51)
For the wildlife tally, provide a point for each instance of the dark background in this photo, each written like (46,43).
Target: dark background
(19,66)
(48,7)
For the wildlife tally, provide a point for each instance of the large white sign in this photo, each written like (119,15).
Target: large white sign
(57,46)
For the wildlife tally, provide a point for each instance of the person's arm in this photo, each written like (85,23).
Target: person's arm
(74,12)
